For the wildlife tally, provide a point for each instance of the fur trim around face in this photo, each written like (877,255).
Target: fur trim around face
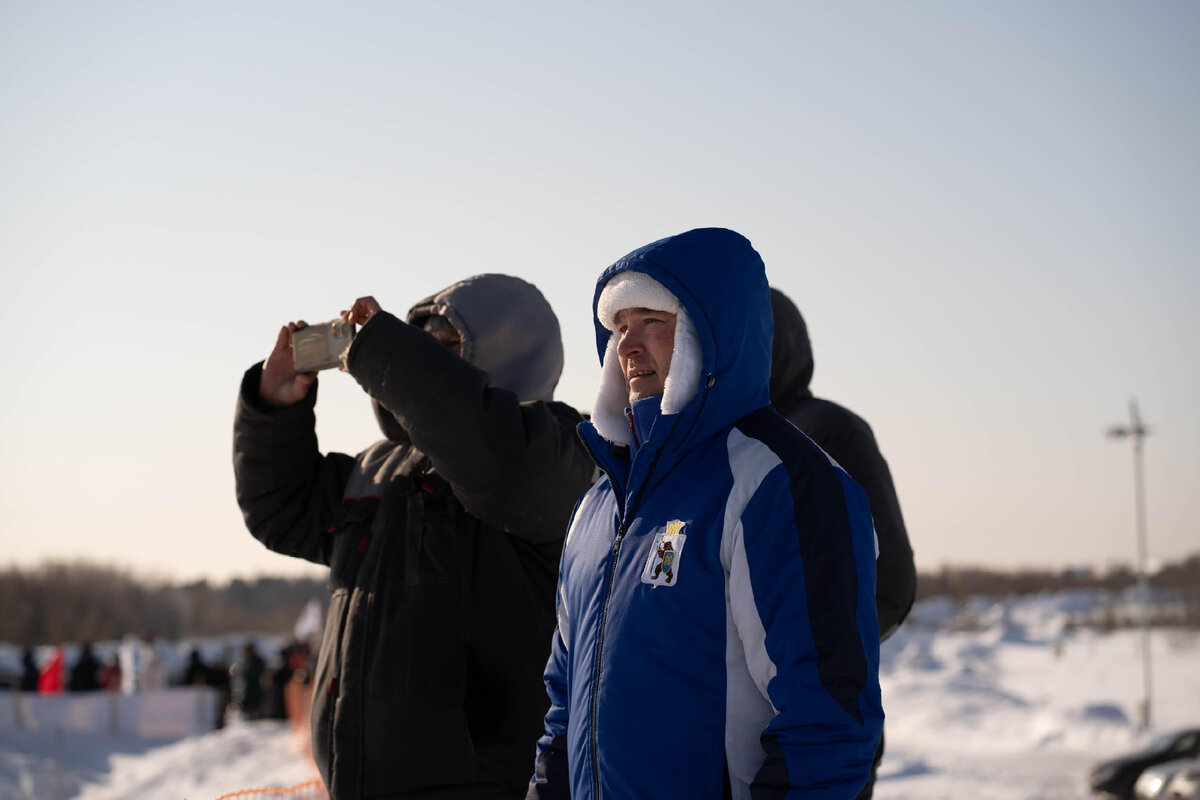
(612,398)
(631,289)
(683,378)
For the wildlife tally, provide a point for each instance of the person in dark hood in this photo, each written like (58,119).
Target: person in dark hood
(196,673)
(85,674)
(442,540)
(29,671)
(849,440)
(250,671)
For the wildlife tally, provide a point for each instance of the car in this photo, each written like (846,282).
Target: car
(1116,776)
(1186,783)
(1153,780)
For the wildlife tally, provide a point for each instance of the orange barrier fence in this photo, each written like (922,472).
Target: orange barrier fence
(309,790)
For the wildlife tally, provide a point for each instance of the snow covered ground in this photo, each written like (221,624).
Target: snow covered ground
(103,767)
(1020,708)
(989,701)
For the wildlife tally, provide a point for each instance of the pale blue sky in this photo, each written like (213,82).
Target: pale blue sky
(986,211)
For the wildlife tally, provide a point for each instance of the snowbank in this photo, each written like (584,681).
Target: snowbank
(986,699)
(160,714)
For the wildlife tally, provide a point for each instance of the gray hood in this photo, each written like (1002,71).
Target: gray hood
(508,330)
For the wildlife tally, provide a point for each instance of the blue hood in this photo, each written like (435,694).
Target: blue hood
(721,281)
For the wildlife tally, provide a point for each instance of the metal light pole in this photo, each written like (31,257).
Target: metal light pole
(1138,432)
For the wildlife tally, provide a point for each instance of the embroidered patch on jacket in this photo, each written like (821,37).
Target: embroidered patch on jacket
(662,566)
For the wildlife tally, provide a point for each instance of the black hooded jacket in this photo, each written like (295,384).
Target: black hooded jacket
(443,543)
(848,438)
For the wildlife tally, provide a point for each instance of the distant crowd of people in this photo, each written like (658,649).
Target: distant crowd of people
(88,674)
(246,683)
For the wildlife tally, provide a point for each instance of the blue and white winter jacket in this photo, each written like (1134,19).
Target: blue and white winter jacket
(742,660)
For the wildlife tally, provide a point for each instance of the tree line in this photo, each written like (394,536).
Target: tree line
(81,601)
(960,582)
(85,602)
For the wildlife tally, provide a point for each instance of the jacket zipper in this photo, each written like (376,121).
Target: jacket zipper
(612,574)
(633,431)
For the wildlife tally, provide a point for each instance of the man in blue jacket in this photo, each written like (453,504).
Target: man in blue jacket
(717,634)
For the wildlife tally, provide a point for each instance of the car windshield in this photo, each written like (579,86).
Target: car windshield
(1161,743)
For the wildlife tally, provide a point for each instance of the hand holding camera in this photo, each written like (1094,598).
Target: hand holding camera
(324,346)
(363,309)
(281,385)
(301,350)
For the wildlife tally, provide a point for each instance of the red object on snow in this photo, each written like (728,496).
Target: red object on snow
(50,679)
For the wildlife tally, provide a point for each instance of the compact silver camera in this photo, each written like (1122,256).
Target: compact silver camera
(322,346)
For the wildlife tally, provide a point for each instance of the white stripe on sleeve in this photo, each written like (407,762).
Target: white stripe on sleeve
(748,667)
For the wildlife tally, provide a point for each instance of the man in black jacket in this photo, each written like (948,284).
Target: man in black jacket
(848,439)
(443,539)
